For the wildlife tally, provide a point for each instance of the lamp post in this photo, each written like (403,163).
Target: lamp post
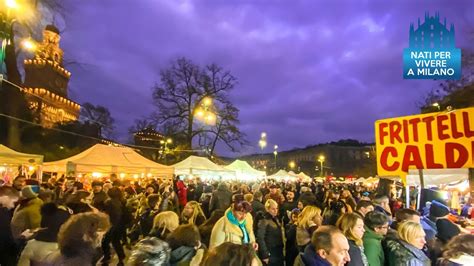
(321,160)
(262,143)
(164,146)
(275,152)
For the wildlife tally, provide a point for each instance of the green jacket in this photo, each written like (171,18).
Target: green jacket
(373,248)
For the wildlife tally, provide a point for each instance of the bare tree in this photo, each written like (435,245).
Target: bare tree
(99,116)
(182,89)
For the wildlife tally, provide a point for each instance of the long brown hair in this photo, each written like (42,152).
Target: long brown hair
(346,224)
(458,245)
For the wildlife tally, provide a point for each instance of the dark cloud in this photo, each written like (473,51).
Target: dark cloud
(308,71)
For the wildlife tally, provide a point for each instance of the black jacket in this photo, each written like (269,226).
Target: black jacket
(115,210)
(269,236)
(401,253)
(182,255)
(220,199)
(355,252)
(257,207)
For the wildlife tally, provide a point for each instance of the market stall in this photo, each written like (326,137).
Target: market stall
(106,159)
(244,171)
(282,175)
(303,177)
(202,167)
(13,163)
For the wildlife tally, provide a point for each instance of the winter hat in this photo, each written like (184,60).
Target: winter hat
(446,230)
(52,218)
(29,192)
(150,251)
(438,209)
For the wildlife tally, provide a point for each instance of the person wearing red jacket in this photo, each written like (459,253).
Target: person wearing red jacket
(182,193)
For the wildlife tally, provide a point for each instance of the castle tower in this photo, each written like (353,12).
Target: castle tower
(46,82)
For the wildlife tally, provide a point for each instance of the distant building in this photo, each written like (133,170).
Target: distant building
(149,137)
(46,83)
(340,159)
(432,34)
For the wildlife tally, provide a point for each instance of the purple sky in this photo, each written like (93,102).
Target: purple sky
(308,71)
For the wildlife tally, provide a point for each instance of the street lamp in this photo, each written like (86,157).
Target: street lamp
(292,164)
(29,45)
(321,160)
(164,147)
(263,141)
(275,152)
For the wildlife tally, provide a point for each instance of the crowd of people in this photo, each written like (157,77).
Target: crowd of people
(64,221)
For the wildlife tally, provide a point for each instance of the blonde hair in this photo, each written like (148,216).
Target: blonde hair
(166,220)
(346,224)
(307,215)
(409,231)
(269,203)
(197,211)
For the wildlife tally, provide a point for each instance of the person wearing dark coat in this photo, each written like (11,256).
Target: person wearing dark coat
(257,205)
(221,198)
(199,190)
(115,208)
(185,244)
(352,226)
(407,250)
(288,205)
(99,196)
(291,250)
(270,237)
(8,248)
(146,219)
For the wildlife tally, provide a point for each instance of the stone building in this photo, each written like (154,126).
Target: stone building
(46,82)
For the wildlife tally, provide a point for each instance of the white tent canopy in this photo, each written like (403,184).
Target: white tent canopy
(203,167)
(244,171)
(109,159)
(436,177)
(291,173)
(281,174)
(303,176)
(12,157)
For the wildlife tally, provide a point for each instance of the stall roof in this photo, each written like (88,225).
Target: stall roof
(243,168)
(436,177)
(108,159)
(201,166)
(12,157)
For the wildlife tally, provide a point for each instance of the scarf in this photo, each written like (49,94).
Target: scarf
(241,225)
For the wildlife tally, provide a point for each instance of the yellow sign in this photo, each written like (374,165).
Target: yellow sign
(428,141)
